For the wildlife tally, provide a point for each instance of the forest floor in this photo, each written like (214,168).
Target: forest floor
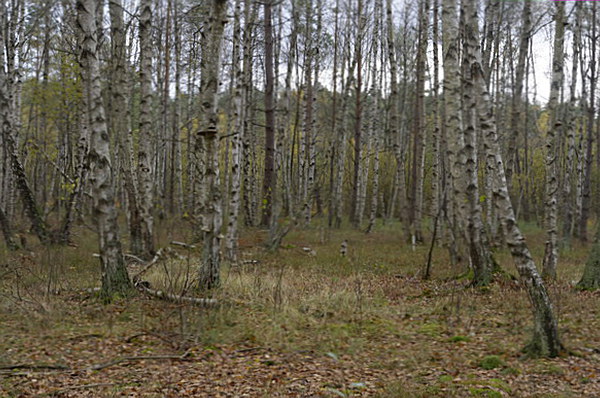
(295,323)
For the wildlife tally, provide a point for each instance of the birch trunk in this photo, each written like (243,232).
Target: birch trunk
(114,274)
(375,112)
(419,131)
(231,241)
(479,251)
(545,340)
(119,123)
(9,122)
(250,15)
(588,153)
(358,116)
(551,192)
(145,139)
(269,177)
(512,161)
(570,176)
(395,134)
(209,273)
(436,168)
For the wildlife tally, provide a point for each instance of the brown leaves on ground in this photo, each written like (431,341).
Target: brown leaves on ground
(415,355)
(364,325)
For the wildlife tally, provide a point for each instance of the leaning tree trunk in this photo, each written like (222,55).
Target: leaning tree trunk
(114,274)
(545,340)
(209,276)
(145,186)
(551,195)
(8,115)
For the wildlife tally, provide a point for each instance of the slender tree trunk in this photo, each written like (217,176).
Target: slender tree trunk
(9,121)
(250,15)
(145,174)
(551,194)
(269,178)
(466,162)
(587,180)
(342,144)
(399,189)
(570,176)
(512,161)
(358,116)
(231,241)
(209,273)
(419,133)
(120,122)
(114,274)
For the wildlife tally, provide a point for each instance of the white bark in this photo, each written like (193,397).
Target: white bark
(145,174)
(231,241)
(545,340)
(551,193)
(209,273)
(114,274)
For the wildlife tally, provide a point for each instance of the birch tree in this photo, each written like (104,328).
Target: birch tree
(231,242)
(9,116)
(209,272)
(269,177)
(545,340)
(144,158)
(555,128)
(114,274)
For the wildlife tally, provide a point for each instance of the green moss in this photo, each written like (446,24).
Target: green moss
(484,392)
(511,371)
(446,379)
(491,362)
(458,339)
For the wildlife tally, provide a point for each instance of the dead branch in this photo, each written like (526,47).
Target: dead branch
(183,244)
(134,257)
(34,367)
(174,297)
(150,264)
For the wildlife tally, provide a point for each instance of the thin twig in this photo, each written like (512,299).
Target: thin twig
(34,367)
